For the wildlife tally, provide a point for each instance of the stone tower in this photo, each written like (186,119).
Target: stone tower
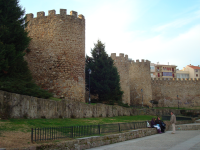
(57,53)
(139,77)
(122,65)
(134,76)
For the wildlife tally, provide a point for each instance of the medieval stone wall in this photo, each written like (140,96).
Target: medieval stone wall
(57,61)
(134,76)
(139,76)
(166,91)
(57,53)
(122,65)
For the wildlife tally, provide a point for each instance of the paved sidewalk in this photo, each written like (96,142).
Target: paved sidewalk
(182,140)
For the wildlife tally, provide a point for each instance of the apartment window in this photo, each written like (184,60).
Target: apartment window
(196,70)
(157,68)
(173,75)
(158,74)
(172,69)
(196,75)
(152,67)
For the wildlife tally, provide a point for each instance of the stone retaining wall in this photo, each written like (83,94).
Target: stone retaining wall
(31,107)
(188,127)
(91,142)
(169,127)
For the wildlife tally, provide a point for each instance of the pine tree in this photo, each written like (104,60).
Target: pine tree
(104,78)
(14,73)
(13,38)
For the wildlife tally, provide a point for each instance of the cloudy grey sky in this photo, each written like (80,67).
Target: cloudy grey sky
(158,30)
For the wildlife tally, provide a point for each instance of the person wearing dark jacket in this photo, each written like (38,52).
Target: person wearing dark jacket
(161,123)
(153,125)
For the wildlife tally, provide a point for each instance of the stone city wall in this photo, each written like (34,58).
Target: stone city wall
(139,74)
(122,65)
(134,76)
(166,91)
(57,53)
(21,106)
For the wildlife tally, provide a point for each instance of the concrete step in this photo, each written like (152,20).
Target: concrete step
(197,121)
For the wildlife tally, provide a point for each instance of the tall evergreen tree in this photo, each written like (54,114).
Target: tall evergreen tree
(104,78)
(14,73)
(13,38)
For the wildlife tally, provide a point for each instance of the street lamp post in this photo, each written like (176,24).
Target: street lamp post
(178,101)
(90,71)
(142,97)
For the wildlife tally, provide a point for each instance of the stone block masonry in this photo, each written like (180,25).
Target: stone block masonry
(32,107)
(134,76)
(140,79)
(166,91)
(21,106)
(122,65)
(57,53)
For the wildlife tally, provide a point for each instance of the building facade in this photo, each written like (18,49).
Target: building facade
(162,71)
(182,74)
(194,71)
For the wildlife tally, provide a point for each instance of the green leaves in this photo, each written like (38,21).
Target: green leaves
(14,73)
(104,78)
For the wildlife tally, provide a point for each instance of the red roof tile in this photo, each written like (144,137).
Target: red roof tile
(194,67)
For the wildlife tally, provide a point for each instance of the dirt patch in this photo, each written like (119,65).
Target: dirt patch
(11,140)
(20,140)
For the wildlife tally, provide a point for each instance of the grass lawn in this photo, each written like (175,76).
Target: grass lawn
(55,99)
(25,125)
(17,132)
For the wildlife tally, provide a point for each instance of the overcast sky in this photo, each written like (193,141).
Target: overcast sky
(158,30)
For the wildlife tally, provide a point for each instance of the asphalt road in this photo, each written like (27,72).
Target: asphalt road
(182,140)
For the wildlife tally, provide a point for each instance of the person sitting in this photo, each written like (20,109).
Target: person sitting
(153,125)
(161,124)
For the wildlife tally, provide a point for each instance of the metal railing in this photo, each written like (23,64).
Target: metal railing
(53,133)
(178,118)
(139,106)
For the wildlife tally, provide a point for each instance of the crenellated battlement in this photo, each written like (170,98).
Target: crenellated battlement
(121,57)
(52,13)
(132,74)
(140,62)
(175,79)
(57,52)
